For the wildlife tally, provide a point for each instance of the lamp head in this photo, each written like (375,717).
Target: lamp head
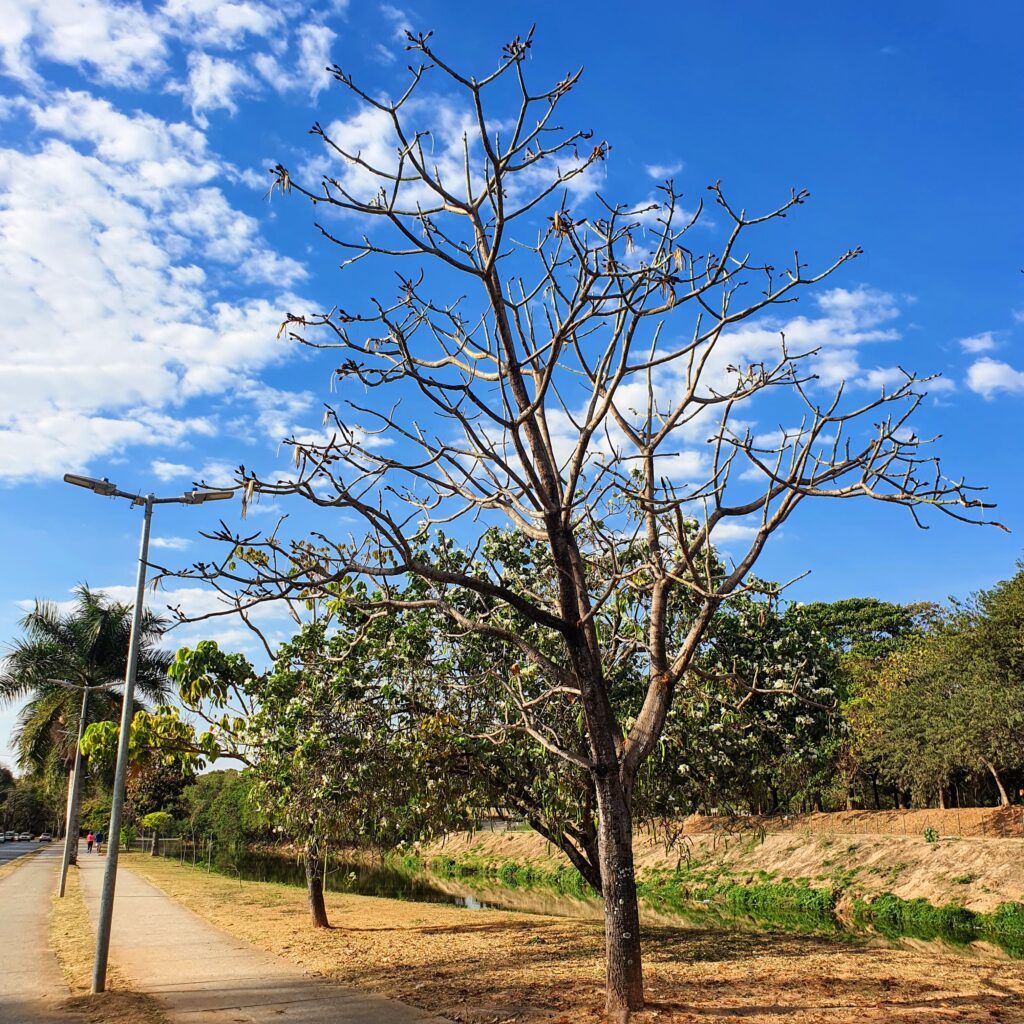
(104,486)
(198,497)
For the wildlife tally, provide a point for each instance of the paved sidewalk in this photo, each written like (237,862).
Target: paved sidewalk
(200,974)
(32,987)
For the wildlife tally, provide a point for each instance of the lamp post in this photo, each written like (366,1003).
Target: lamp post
(71,819)
(107,489)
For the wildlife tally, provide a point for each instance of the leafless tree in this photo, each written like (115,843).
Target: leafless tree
(581,375)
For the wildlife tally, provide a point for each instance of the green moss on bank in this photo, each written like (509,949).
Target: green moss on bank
(895,917)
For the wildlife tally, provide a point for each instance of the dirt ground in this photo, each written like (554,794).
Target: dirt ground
(492,967)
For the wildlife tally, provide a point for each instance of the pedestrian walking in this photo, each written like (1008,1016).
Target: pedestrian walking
(89,840)
(99,841)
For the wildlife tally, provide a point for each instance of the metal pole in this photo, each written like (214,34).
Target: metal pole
(99,972)
(71,830)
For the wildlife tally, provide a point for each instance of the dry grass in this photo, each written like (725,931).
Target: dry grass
(73,942)
(493,966)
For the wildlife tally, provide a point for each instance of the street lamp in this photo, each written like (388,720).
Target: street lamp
(105,488)
(71,818)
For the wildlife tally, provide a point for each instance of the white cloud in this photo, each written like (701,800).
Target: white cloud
(110,324)
(222,24)
(115,43)
(987,377)
(163,154)
(212,84)
(214,473)
(887,377)
(661,172)
(729,530)
(309,55)
(170,543)
(399,21)
(164,470)
(983,342)
(858,307)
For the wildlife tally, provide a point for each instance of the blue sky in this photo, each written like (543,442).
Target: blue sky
(143,274)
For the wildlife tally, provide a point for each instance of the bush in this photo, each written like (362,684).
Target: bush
(931,835)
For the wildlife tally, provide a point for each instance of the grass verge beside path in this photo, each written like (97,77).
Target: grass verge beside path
(12,865)
(479,967)
(73,942)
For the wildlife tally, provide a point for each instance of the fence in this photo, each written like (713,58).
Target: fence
(964,822)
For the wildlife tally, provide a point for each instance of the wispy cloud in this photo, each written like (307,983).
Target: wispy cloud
(983,342)
(661,172)
(171,543)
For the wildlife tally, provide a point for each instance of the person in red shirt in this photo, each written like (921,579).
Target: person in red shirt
(89,840)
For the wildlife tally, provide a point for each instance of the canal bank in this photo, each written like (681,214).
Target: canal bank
(715,888)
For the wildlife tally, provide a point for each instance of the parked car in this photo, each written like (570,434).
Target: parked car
(25,837)
(10,836)
(45,837)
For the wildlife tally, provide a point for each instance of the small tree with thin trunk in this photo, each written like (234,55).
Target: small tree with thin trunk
(157,822)
(575,368)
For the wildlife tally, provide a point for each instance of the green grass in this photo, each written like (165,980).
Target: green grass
(952,922)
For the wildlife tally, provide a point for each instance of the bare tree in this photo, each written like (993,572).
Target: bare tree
(577,374)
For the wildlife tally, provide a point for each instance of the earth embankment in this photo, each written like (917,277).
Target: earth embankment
(970,856)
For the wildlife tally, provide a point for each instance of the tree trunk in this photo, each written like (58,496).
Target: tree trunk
(874,792)
(621,914)
(155,844)
(315,886)
(942,797)
(1004,800)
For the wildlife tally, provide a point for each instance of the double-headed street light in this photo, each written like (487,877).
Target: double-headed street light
(105,488)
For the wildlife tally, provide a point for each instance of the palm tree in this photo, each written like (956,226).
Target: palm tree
(61,653)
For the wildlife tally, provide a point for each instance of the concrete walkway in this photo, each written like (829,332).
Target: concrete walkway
(32,987)
(200,974)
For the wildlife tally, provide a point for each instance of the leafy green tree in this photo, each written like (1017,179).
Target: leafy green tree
(157,822)
(984,650)
(156,783)
(219,806)
(864,626)
(28,806)
(334,752)
(58,654)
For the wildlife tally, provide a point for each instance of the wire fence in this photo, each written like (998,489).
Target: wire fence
(960,822)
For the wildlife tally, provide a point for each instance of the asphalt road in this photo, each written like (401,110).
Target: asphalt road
(8,851)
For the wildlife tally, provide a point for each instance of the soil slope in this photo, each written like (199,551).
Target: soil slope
(860,850)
